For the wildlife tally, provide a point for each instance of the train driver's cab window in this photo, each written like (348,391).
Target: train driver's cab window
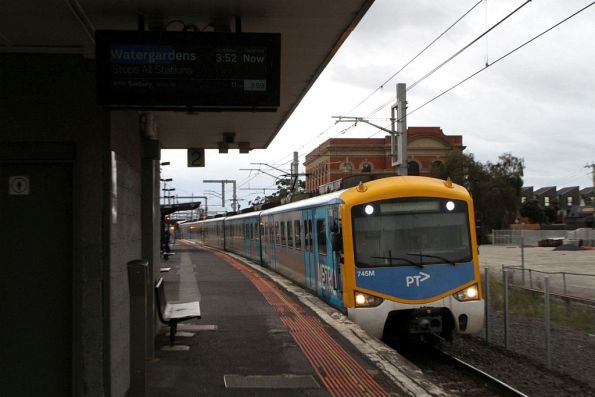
(321,234)
(298,234)
(411,232)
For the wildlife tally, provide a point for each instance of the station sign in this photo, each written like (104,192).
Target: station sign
(148,69)
(196,157)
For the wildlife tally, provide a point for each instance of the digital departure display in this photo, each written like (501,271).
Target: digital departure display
(409,206)
(188,69)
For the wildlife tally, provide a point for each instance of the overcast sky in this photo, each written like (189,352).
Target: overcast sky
(538,103)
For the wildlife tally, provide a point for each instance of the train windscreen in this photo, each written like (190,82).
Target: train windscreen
(411,232)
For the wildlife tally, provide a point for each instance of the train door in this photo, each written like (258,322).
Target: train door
(246,231)
(309,256)
(264,241)
(329,282)
(335,252)
(259,240)
(273,238)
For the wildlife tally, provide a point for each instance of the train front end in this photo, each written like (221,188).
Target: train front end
(410,259)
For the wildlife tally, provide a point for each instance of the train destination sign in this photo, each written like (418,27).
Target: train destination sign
(188,69)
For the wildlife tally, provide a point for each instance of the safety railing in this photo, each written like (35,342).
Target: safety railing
(532,312)
(532,238)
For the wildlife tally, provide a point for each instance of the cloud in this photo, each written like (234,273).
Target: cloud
(537,103)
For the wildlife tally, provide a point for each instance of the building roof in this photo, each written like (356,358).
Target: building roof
(567,190)
(526,189)
(545,190)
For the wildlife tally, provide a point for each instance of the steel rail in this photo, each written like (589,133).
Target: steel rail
(506,387)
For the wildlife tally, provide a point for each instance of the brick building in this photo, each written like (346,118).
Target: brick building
(341,157)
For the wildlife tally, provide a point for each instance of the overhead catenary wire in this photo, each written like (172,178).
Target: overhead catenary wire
(482,69)
(431,72)
(390,78)
(493,63)
(487,64)
(416,56)
(453,56)
(501,58)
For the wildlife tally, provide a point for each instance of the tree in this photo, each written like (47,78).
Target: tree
(495,188)
(284,188)
(551,212)
(532,210)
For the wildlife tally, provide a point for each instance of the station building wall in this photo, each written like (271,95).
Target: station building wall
(49,114)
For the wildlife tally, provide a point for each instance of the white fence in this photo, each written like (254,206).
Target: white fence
(532,237)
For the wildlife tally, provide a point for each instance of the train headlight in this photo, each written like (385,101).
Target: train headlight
(366,300)
(450,205)
(369,209)
(468,294)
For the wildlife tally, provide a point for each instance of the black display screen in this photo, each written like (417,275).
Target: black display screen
(188,69)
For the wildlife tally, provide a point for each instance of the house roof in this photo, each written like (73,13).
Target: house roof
(567,190)
(545,190)
(526,189)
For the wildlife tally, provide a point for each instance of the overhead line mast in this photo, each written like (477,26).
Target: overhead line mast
(398,135)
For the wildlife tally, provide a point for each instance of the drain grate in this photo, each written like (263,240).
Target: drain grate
(283,381)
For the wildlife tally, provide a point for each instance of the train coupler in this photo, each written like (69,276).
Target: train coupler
(426,320)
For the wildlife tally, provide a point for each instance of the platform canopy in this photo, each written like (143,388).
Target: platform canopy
(167,209)
(311,33)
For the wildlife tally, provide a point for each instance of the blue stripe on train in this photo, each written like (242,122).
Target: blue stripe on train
(412,282)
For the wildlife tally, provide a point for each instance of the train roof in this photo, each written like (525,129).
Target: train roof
(244,216)
(408,186)
(326,199)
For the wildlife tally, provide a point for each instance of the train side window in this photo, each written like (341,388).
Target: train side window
(321,235)
(298,234)
(283,241)
(277,234)
(289,234)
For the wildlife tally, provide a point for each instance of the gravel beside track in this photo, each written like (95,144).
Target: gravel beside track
(523,365)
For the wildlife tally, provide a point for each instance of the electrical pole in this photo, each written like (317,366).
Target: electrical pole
(402,128)
(234,201)
(398,137)
(294,173)
(592,166)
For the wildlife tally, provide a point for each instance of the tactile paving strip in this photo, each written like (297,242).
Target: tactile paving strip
(338,371)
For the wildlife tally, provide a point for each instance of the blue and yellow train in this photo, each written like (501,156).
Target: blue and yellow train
(398,254)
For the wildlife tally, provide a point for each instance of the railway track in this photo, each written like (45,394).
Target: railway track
(455,376)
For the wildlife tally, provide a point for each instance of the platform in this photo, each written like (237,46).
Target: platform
(261,335)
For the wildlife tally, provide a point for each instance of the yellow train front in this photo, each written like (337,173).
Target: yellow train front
(410,261)
(398,254)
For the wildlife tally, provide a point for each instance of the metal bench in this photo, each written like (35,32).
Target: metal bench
(173,313)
